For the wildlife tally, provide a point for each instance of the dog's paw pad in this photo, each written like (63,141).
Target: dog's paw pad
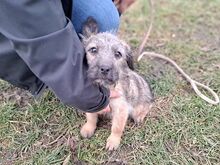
(113,143)
(87,130)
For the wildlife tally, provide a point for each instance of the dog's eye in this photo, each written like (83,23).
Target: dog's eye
(118,54)
(93,50)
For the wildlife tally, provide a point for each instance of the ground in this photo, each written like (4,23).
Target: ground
(181,129)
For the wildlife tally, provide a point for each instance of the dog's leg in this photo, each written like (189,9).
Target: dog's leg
(89,127)
(138,114)
(119,119)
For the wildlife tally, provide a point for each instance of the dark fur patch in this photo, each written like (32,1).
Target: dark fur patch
(90,27)
(130,62)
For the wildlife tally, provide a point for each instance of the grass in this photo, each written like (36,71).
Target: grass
(182,128)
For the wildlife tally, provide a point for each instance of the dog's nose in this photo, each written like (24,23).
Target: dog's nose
(104,69)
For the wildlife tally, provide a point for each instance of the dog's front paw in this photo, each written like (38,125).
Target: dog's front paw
(113,142)
(87,130)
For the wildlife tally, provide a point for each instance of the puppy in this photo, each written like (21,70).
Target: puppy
(111,65)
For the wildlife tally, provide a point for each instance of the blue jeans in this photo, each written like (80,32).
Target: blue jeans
(103,11)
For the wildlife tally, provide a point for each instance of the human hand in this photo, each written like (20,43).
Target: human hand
(113,94)
(122,5)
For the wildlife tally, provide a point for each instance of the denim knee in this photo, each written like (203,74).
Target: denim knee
(103,11)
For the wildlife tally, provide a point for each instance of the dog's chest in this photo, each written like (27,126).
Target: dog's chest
(129,89)
(122,102)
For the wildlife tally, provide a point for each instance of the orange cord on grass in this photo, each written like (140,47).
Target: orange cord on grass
(193,83)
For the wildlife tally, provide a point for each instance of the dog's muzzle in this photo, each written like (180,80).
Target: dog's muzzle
(105,70)
(104,74)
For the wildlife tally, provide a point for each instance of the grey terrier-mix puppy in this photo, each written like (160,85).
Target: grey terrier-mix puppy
(110,64)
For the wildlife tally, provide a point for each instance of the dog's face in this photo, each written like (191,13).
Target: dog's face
(107,56)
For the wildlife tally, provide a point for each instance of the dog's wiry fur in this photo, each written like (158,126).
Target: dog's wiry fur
(110,64)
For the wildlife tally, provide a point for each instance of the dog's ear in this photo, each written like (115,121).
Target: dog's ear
(90,27)
(130,59)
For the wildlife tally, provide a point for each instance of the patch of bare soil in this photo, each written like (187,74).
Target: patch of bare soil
(15,95)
